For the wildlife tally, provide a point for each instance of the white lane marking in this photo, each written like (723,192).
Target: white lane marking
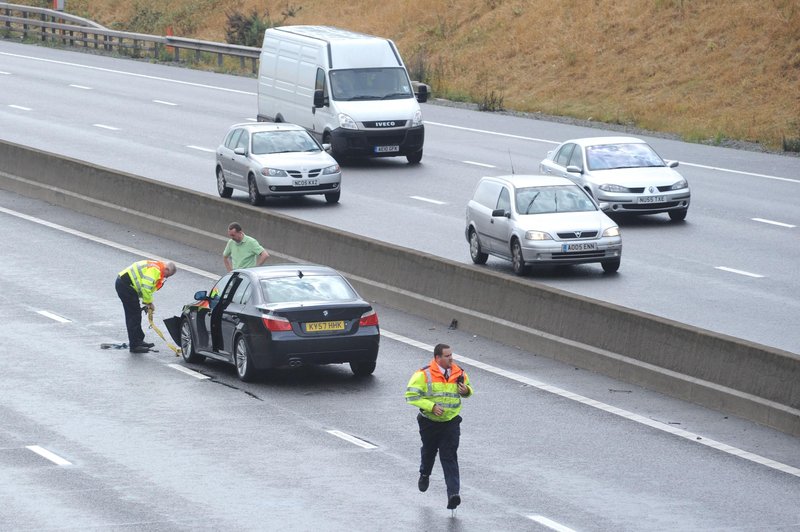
(194,374)
(83,87)
(103,126)
(201,148)
(112,71)
(352,439)
(52,316)
(509,135)
(781,224)
(696,438)
(740,272)
(484,165)
(21,108)
(41,451)
(741,172)
(162,102)
(436,202)
(3,73)
(549,523)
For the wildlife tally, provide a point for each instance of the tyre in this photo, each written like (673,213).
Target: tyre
(415,157)
(517,261)
(333,197)
(253,194)
(610,266)
(187,344)
(244,362)
(475,253)
(222,186)
(362,369)
(679,215)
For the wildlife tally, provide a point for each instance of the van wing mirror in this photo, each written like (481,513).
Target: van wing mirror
(319,98)
(422,92)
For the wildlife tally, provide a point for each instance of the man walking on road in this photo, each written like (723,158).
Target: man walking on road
(437,390)
(140,280)
(242,251)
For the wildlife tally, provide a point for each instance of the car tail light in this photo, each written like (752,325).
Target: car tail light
(369,319)
(276,323)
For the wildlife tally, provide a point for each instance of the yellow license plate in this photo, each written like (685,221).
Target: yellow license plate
(318,326)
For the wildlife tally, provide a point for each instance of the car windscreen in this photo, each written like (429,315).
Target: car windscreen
(370,84)
(297,289)
(545,200)
(266,142)
(612,156)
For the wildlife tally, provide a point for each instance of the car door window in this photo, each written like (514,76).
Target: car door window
(242,294)
(233,139)
(504,201)
(244,141)
(564,154)
(486,194)
(577,158)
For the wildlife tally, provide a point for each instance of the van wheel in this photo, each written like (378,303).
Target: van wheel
(517,261)
(253,194)
(611,266)
(415,157)
(475,253)
(222,186)
(333,197)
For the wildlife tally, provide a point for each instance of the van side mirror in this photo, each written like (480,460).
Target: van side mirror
(319,98)
(498,213)
(574,170)
(422,93)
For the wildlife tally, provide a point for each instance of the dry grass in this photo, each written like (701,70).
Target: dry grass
(705,69)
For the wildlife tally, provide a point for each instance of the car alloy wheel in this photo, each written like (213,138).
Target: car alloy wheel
(252,191)
(517,261)
(187,344)
(475,253)
(241,356)
(222,186)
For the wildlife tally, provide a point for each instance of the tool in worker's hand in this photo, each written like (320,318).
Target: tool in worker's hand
(153,326)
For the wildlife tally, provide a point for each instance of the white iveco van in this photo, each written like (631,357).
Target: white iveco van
(348,89)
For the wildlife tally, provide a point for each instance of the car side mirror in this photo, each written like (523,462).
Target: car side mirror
(672,164)
(202,295)
(498,213)
(327,147)
(604,206)
(574,170)
(240,151)
(319,98)
(422,93)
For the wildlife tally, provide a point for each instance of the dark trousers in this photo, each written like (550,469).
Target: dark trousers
(133,311)
(441,436)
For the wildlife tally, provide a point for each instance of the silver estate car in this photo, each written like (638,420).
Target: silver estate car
(275,160)
(623,172)
(533,220)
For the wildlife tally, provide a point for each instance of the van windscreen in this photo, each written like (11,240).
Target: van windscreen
(370,84)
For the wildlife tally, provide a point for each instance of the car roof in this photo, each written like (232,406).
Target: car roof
(289,270)
(523,181)
(598,141)
(267,126)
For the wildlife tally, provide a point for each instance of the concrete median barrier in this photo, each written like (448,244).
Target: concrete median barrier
(746,379)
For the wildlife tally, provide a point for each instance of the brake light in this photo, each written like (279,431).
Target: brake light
(368,319)
(276,323)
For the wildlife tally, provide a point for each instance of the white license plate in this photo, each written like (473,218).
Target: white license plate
(652,199)
(386,149)
(305,182)
(579,246)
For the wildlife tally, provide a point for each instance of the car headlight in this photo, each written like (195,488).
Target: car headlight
(273,172)
(331,170)
(611,231)
(679,185)
(537,235)
(417,120)
(345,122)
(608,187)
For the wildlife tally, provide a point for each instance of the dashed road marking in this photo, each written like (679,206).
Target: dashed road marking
(549,523)
(187,371)
(200,148)
(740,272)
(44,453)
(162,102)
(352,439)
(771,222)
(428,200)
(52,316)
(20,107)
(103,126)
(82,87)
(484,165)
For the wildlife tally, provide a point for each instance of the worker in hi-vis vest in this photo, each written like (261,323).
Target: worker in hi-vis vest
(436,390)
(138,281)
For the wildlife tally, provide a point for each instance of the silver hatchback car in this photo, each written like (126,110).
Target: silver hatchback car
(275,160)
(539,220)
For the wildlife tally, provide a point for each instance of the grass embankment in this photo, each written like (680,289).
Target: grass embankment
(707,70)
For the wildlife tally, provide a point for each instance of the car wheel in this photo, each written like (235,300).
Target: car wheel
(517,261)
(222,186)
(253,194)
(415,157)
(333,197)
(187,344)
(338,155)
(679,215)
(475,253)
(610,266)
(244,363)
(362,369)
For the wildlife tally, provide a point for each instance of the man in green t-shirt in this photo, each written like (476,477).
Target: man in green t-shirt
(242,251)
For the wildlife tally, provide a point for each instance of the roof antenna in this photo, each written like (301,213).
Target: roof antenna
(511,161)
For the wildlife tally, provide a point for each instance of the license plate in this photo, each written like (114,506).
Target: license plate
(305,182)
(579,246)
(386,149)
(652,199)
(319,326)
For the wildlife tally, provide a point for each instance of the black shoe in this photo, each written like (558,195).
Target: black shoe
(453,501)
(148,345)
(140,349)
(423,482)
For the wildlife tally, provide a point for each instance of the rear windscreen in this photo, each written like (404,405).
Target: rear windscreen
(307,288)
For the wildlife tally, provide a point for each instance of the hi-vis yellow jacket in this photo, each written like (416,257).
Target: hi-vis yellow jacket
(147,276)
(428,387)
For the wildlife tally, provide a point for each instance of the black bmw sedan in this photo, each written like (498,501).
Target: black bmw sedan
(286,315)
